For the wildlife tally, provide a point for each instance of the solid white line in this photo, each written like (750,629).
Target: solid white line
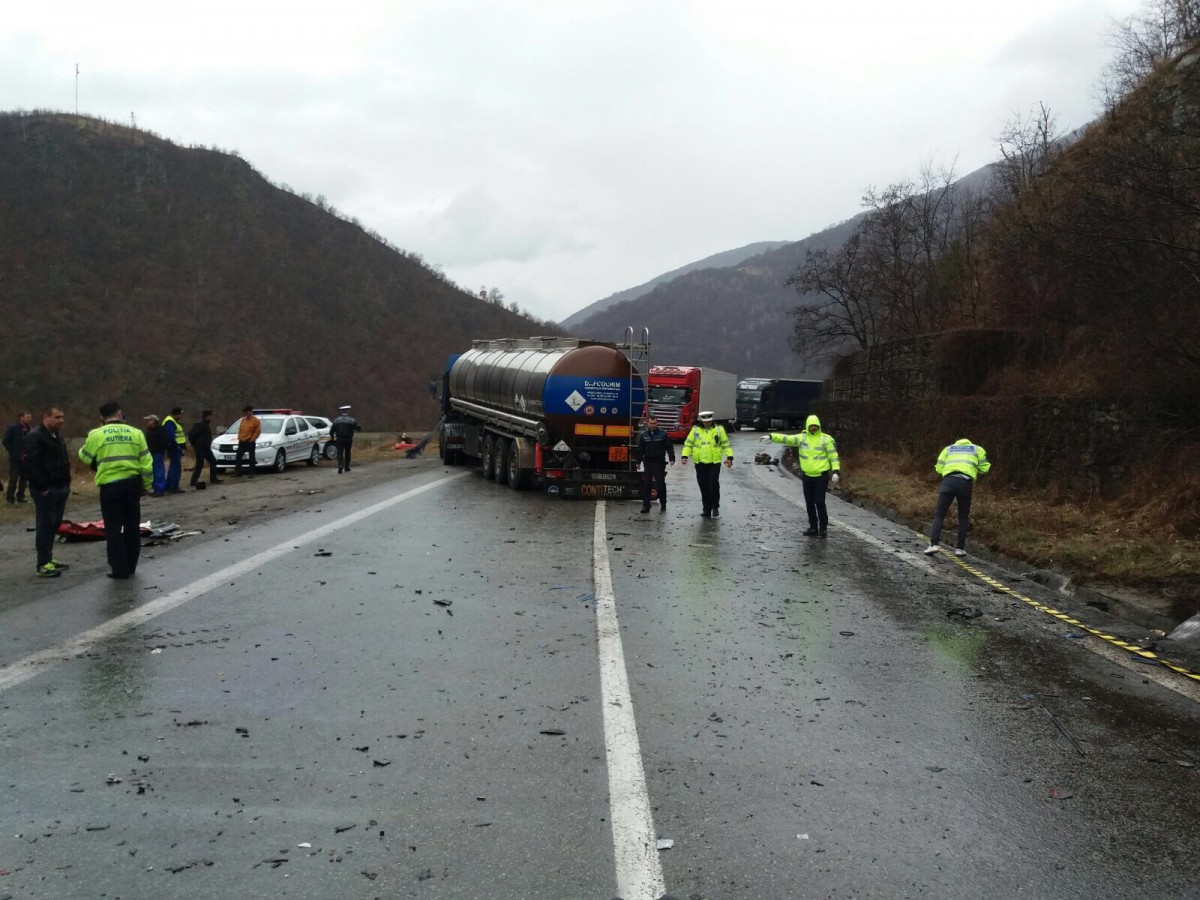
(639,871)
(24,669)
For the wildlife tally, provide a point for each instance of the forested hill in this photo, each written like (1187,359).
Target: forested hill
(716,261)
(137,269)
(734,318)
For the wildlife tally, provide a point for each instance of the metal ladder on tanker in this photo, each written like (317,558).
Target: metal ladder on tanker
(638,355)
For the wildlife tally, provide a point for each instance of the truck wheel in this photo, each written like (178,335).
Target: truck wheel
(447,458)
(518,478)
(504,449)
(489,457)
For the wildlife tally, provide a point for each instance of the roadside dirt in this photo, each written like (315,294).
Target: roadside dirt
(235,503)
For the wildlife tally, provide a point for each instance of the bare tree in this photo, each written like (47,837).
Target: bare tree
(1028,145)
(847,311)
(1142,41)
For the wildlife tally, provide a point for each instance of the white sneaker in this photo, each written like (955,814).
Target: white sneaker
(931,549)
(959,551)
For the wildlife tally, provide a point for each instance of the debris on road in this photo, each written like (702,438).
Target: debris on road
(664,844)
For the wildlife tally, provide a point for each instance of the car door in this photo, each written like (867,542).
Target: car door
(305,438)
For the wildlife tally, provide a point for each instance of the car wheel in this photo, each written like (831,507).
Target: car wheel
(315,456)
(489,457)
(330,450)
(280,462)
(504,449)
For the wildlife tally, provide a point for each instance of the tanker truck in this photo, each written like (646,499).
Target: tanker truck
(556,413)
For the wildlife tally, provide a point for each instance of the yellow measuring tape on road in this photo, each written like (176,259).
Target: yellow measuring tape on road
(1148,655)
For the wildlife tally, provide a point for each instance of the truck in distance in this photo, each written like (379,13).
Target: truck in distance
(749,399)
(785,403)
(675,395)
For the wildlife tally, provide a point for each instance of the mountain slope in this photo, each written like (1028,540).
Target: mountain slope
(134,268)
(733,318)
(716,261)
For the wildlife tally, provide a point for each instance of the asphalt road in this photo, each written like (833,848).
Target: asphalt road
(437,687)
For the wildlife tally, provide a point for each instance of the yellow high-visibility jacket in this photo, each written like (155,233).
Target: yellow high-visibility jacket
(816,453)
(118,451)
(963,458)
(707,445)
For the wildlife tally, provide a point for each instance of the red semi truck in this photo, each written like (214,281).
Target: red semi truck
(675,395)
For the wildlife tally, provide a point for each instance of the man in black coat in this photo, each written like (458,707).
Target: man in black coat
(48,470)
(342,431)
(653,450)
(14,443)
(201,438)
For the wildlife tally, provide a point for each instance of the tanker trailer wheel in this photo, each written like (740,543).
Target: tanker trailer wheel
(518,478)
(489,457)
(504,449)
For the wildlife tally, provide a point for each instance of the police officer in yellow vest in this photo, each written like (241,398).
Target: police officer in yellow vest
(960,464)
(176,441)
(816,452)
(119,455)
(706,444)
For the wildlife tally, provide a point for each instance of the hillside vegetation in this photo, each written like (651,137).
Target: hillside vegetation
(136,269)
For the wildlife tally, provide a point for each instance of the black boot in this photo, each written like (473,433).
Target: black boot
(812,532)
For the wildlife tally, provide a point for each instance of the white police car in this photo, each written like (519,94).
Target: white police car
(322,424)
(287,438)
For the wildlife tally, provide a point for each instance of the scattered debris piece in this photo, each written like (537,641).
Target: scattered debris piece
(664,844)
(964,612)
(1060,794)
(381,763)
(442,602)
(323,553)
(552,731)
(112,779)
(156,651)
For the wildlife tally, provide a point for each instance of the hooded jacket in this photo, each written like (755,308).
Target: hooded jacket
(816,453)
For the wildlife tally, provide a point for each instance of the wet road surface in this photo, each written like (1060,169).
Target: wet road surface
(398,694)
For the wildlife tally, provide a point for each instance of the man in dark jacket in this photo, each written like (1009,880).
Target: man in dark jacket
(654,448)
(201,437)
(48,469)
(342,431)
(14,443)
(156,443)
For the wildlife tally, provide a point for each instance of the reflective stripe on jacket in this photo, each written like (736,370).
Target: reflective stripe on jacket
(707,445)
(963,458)
(118,451)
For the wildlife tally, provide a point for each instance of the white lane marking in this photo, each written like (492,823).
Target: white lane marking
(24,669)
(639,871)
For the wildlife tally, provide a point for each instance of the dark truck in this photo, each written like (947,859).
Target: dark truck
(784,403)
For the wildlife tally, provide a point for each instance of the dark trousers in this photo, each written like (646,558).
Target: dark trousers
(244,447)
(204,455)
(121,507)
(654,477)
(175,469)
(158,477)
(343,449)
(814,500)
(953,488)
(16,481)
(708,476)
(48,512)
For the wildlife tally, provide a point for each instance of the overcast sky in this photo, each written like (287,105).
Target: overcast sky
(564,150)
